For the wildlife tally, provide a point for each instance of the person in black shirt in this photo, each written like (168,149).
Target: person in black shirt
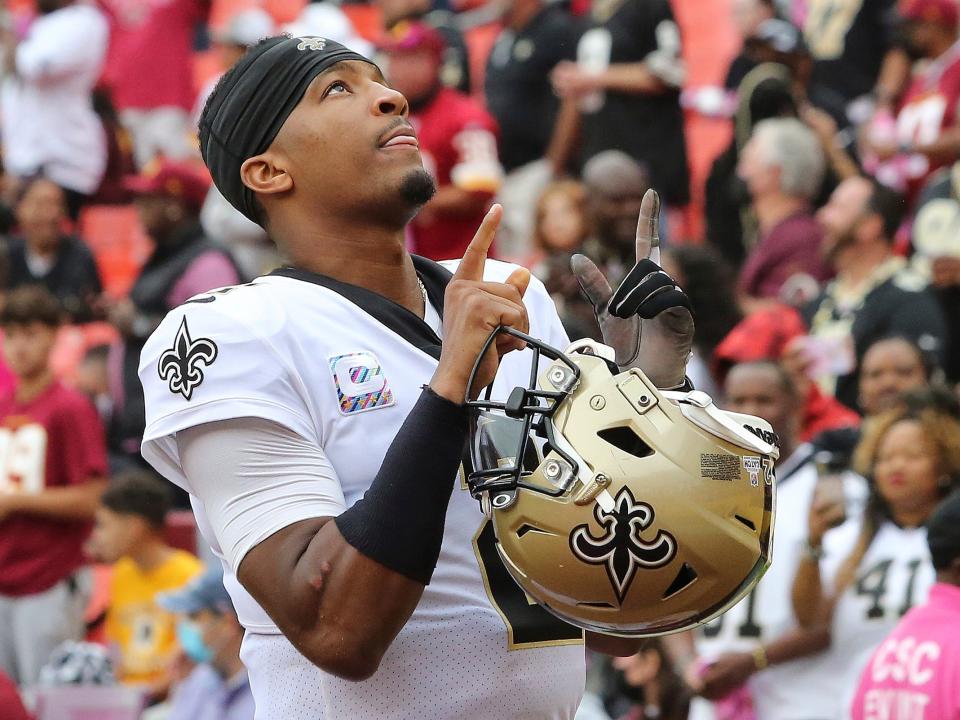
(43,255)
(535,38)
(747,16)
(849,41)
(624,92)
(183,263)
(874,295)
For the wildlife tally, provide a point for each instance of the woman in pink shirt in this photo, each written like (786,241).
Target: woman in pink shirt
(915,673)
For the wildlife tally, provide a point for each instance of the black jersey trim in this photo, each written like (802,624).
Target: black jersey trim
(394,316)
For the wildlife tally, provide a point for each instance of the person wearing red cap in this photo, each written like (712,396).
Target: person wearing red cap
(927,132)
(184,263)
(457,142)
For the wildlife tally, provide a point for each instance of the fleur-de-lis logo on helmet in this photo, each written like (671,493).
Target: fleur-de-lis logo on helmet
(312,43)
(180,365)
(621,550)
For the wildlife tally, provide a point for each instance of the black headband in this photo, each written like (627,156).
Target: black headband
(253,100)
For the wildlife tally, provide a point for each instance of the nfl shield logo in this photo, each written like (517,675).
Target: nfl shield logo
(361,384)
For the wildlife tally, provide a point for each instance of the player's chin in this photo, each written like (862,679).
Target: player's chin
(417,187)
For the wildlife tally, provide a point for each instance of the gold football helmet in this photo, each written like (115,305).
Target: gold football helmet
(619,507)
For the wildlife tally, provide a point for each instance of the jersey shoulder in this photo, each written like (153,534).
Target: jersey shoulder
(225,354)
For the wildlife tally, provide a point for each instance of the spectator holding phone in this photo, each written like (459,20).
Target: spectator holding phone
(757,645)
(912,459)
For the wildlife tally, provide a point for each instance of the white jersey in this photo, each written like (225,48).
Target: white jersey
(788,691)
(895,574)
(343,367)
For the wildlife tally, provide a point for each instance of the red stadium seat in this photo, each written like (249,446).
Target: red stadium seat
(118,243)
(181,531)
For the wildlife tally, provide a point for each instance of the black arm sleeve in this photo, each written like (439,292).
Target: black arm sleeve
(399,521)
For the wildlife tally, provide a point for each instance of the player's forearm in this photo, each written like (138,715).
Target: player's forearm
(342,590)
(76,502)
(339,608)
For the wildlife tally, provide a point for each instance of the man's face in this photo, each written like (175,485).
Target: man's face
(842,215)
(114,535)
(415,73)
(759,390)
(614,215)
(27,348)
(159,214)
(393,11)
(347,145)
(760,177)
(41,213)
(889,369)
(921,37)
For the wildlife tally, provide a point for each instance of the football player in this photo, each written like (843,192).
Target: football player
(318,421)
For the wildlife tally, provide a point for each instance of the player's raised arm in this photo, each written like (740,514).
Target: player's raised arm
(342,588)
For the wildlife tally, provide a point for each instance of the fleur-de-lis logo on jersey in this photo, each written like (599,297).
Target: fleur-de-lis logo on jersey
(621,550)
(312,43)
(180,365)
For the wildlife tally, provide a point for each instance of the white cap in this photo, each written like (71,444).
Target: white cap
(324,19)
(247,28)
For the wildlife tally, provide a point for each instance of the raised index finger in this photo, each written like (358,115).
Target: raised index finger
(648,227)
(474,257)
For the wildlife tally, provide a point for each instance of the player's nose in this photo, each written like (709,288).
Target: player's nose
(387,101)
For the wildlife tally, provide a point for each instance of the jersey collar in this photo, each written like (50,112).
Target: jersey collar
(396,317)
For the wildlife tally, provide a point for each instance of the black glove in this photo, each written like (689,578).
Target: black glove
(647,321)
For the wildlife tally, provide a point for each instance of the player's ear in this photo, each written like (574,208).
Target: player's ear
(264,175)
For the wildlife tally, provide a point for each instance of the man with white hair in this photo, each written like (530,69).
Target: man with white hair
(782,166)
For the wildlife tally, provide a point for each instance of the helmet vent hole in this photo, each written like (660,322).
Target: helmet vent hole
(527,528)
(744,521)
(684,578)
(602,605)
(625,439)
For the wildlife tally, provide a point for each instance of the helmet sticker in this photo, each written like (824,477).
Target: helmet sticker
(621,550)
(752,464)
(720,466)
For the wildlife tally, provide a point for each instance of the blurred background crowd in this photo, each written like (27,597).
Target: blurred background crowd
(808,156)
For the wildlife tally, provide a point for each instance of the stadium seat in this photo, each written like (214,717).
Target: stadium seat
(181,531)
(118,243)
(89,703)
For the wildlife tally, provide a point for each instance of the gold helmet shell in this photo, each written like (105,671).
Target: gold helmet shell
(621,508)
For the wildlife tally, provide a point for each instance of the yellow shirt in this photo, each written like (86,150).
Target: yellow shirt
(144,633)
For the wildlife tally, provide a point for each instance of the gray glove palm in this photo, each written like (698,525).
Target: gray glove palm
(647,321)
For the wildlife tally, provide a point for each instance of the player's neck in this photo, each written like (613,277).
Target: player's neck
(374,259)
(29,388)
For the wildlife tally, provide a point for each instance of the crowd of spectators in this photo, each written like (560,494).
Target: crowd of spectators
(825,284)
